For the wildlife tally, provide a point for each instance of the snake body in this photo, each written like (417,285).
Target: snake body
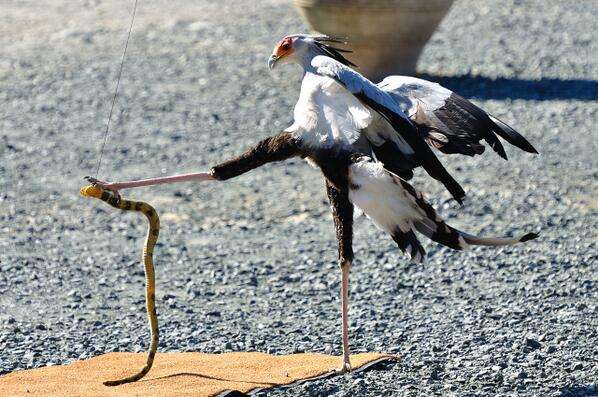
(150,280)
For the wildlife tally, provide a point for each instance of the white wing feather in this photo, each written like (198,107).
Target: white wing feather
(380,198)
(418,98)
(411,92)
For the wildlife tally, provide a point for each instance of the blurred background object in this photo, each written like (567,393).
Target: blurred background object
(386,36)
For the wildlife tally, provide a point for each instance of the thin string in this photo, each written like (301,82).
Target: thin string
(120,72)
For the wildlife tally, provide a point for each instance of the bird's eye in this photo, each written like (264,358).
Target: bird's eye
(285,46)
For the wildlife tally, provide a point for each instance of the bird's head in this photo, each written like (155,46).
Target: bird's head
(283,52)
(301,48)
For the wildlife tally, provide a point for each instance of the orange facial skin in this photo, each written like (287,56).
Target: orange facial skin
(283,48)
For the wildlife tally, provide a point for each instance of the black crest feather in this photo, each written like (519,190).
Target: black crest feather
(324,43)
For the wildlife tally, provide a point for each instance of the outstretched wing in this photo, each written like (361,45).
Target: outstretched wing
(381,102)
(447,121)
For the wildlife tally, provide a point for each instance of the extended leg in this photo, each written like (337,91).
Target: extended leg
(342,211)
(195,176)
(277,148)
(345,268)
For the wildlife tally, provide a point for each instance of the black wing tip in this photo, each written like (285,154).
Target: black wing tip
(456,191)
(528,237)
(500,150)
(507,132)
(341,49)
(524,145)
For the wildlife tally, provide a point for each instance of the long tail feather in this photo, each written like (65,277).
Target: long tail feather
(512,136)
(436,229)
(442,234)
(496,241)
(460,240)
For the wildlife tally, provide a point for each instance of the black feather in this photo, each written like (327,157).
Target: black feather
(467,124)
(510,135)
(409,244)
(330,39)
(394,160)
(340,49)
(442,234)
(434,227)
(528,237)
(332,52)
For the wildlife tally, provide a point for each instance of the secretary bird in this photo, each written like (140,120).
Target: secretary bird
(367,139)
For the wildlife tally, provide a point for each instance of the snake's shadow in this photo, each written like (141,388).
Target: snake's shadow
(381,364)
(198,375)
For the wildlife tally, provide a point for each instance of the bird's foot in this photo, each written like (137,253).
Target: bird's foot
(97,182)
(344,369)
(104,185)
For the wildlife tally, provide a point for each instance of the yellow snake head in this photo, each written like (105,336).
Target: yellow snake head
(91,191)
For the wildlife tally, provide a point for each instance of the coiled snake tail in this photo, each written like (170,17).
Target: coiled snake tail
(150,279)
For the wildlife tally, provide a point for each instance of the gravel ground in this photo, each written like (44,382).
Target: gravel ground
(250,264)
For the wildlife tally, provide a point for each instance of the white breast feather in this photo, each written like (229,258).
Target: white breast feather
(327,115)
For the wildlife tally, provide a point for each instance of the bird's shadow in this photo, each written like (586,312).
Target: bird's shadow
(544,89)
(580,391)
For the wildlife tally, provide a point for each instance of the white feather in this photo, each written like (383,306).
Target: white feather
(355,82)
(377,130)
(383,200)
(411,93)
(327,115)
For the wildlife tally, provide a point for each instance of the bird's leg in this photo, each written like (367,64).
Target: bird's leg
(345,268)
(276,148)
(342,212)
(116,186)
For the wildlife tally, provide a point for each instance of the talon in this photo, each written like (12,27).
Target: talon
(102,184)
(91,180)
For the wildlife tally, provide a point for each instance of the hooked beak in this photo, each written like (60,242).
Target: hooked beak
(272,61)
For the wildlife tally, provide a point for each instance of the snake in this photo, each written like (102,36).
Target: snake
(116,201)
